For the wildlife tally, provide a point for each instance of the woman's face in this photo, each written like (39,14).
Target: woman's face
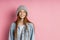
(22,14)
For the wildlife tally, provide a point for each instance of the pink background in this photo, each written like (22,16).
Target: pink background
(45,14)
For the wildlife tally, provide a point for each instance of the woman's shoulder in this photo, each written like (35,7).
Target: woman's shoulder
(31,25)
(13,24)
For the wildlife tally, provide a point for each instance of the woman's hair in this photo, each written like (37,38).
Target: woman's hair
(24,22)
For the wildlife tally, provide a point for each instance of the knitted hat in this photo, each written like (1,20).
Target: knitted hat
(22,7)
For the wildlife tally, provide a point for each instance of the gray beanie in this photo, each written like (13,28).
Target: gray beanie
(22,7)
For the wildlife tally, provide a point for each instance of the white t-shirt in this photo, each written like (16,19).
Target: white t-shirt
(20,27)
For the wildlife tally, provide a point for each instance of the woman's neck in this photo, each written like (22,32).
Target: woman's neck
(21,22)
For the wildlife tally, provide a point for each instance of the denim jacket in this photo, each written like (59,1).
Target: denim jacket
(30,29)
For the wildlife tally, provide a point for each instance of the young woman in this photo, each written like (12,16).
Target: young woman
(22,28)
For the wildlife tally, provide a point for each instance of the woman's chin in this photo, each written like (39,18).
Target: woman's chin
(22,17)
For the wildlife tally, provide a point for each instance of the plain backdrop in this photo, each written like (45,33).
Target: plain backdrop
(45,14)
